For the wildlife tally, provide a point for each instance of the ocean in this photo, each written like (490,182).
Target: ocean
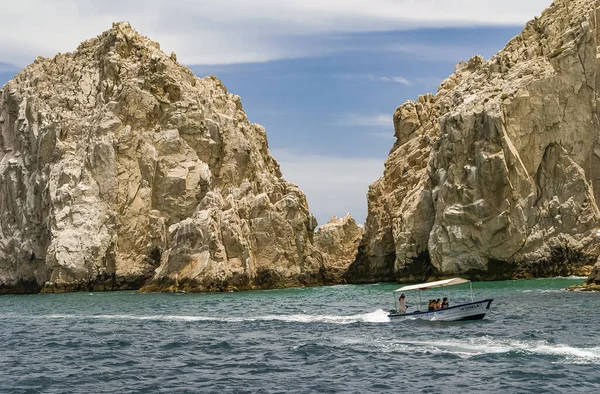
(537,338)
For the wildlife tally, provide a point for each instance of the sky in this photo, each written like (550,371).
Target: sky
(324,77)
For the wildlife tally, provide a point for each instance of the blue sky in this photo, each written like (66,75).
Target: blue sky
(324,81)
(341,104)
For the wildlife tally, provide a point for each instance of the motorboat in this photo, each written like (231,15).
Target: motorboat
(473,310)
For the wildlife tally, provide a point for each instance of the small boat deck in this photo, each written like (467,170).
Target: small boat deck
(471,311)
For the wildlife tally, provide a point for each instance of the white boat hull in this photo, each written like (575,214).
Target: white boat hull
(471,311)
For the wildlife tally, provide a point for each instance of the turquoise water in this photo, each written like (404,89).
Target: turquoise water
(537,338)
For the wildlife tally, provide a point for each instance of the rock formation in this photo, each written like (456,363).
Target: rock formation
(498,174)
(593,281)
(338,242)
(119,168)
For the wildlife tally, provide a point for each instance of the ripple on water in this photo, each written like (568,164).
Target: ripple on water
(334,340)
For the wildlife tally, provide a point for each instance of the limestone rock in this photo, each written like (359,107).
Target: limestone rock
(338,242)
(119,168)
(498,174)
(593,282)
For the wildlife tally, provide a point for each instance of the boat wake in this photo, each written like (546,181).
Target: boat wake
(543,291)
(487,345)
(378,316)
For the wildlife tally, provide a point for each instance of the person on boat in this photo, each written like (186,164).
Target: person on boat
(431,305)
(402,304)
(445,303)
(438,304)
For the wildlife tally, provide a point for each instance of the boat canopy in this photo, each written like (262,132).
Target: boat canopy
(433,285)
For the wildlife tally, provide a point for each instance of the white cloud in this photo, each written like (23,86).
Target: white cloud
(333,185)
(375,78)
(376,120)
(233,31)
(400,80)
(6,67)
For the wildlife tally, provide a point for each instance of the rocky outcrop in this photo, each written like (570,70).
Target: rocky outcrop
(593,282)
(338,242)
(119,168)
(498,174)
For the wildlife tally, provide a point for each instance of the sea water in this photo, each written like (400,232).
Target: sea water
(537,338)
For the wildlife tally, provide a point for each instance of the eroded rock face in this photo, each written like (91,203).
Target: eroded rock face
(338,242)
(593,282)
(119,167)
(498,174)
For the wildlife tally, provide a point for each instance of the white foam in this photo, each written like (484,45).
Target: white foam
(378,316)
(487,345)
(142,317)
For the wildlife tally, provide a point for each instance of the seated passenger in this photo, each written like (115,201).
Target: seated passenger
(431,305)
(438,304)
(445,303)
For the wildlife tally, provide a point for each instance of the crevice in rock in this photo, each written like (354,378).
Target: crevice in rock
(496,270)
(368,269)
(562,260)
(267,278)
(23,286)
(419,269)
(155,255)
(548,170)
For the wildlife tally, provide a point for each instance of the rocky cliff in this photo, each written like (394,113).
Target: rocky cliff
(338,242)
(119,168)
(498,174)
